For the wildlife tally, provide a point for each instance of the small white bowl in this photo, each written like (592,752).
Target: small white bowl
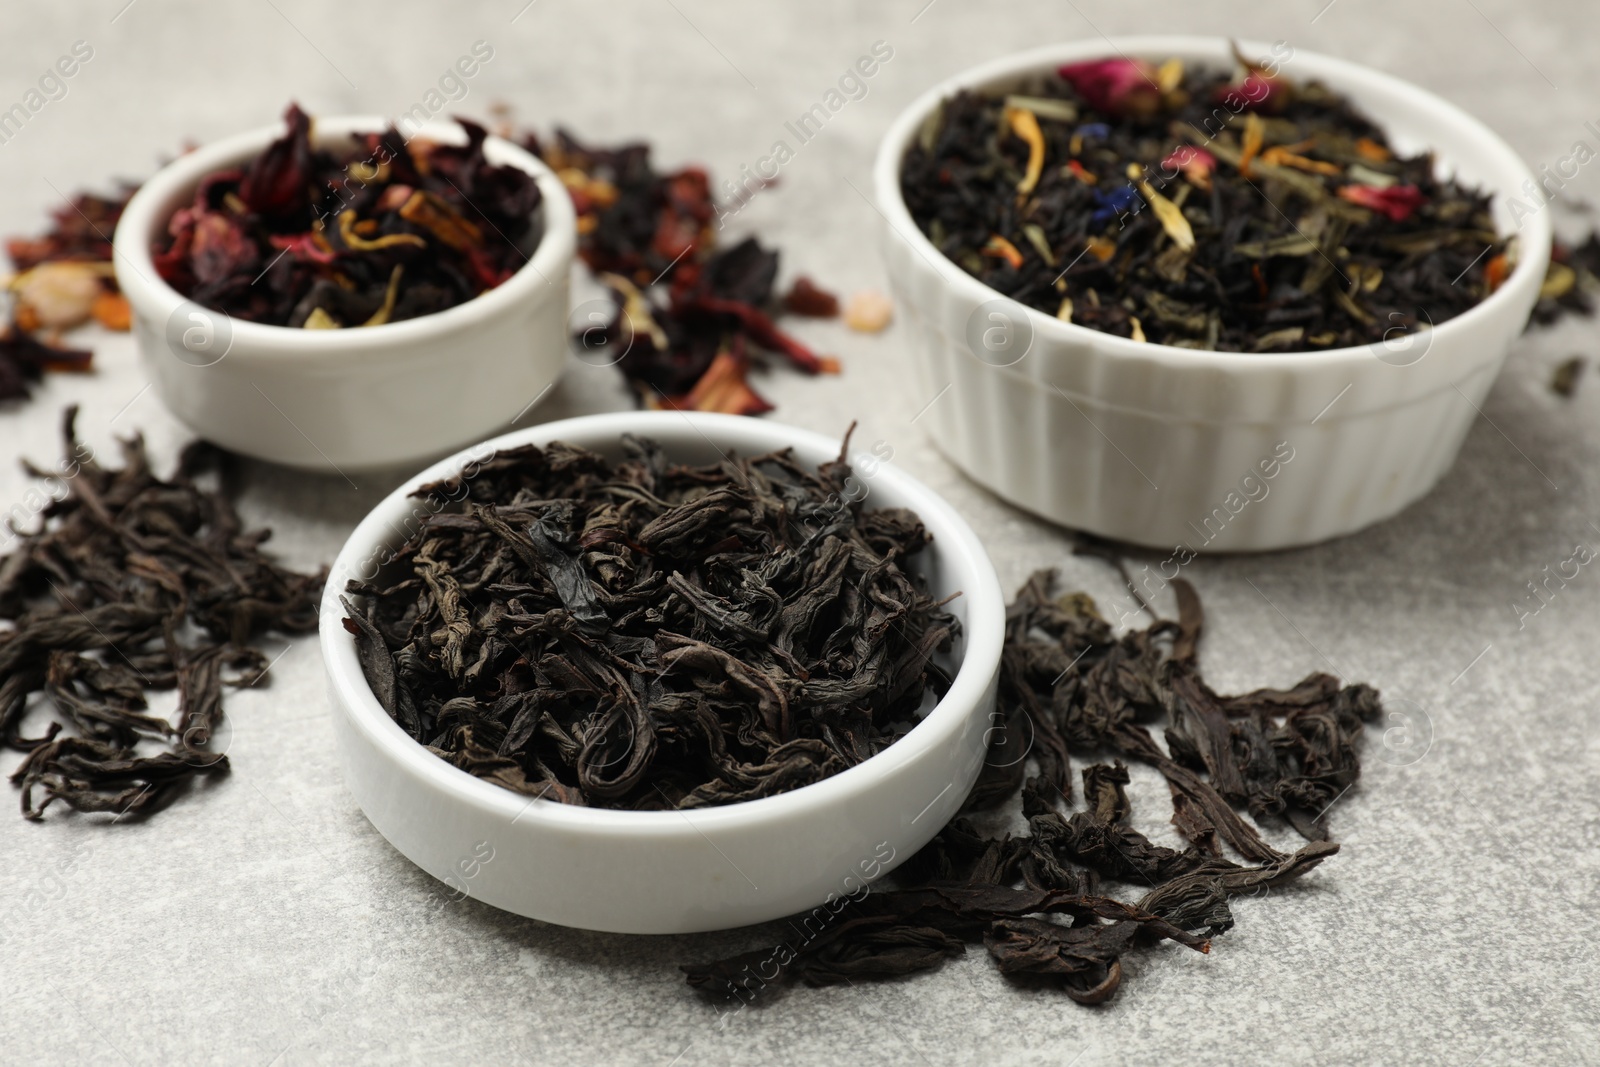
(350,399)
(660,872)
(1164,446)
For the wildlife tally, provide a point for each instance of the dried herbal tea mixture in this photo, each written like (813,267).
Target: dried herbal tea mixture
(1069,685)
(687,318)
(383,231)
(132,584)
(64,279)
(1241,212)
(644,634)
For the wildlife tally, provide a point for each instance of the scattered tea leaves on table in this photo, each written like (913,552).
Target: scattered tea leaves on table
(689,318)
(1279,218)
(1571,281)
(1077,688)
(1564,380)
(644,634)
(133,584)
(24,358)
(63,280)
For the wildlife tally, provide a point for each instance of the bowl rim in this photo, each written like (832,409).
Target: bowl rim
(983,637)
(146,214)
(1533,239)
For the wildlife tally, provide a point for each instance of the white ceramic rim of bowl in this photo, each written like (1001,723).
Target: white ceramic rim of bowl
(982,634)
(1306,65)
(148,212)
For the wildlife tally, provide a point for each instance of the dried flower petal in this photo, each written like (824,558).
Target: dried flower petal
(1081,173)
(1496,271)
(1280,156)
(1398,202)
(724,388)
(805,298)
(1367,148)
(1195,163)
(111,310)
(1170,216)
(1000,248)
(1026,126)
(279,180)
(1254,133)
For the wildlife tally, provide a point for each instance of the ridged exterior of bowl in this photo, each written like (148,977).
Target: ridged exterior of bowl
(1169,447)
(661,872)
(358,398)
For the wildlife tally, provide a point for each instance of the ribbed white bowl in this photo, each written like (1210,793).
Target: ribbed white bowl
(1152,444)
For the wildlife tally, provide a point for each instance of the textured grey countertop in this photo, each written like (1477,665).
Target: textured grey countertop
(263,920)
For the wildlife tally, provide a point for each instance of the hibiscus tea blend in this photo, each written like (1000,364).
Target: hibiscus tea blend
(386,230)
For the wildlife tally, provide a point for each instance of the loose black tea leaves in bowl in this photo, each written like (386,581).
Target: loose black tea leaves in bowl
(1193,208)
(385,230)
(132,584)
(644,634)
(1070,686)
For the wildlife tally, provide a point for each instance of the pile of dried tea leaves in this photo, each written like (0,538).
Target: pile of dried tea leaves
(687,318)
(388,229)
(1071,686)
(64,279)
(1188,207)
(644,634)
(132,584)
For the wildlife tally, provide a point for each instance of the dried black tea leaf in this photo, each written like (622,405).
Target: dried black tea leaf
(133,584)
(1085,690)
(1564,379)
(645,634)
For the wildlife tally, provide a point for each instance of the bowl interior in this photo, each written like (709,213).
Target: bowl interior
(1413,119)
(954,563)
(545,248)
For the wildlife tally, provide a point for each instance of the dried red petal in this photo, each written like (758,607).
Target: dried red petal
(760,329)
(302,246)
(279,179)
(221,250)
(1196,164)
(1398,202)
(805,298)
(723,388)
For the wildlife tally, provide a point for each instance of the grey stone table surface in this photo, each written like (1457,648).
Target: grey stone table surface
(263,920)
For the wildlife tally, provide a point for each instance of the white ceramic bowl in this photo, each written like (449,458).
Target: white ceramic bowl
(1163,446)
(343,400)
(672,872)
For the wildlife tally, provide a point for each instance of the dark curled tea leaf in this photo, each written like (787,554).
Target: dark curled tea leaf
(1085,690)
(644,634)
(132,584)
